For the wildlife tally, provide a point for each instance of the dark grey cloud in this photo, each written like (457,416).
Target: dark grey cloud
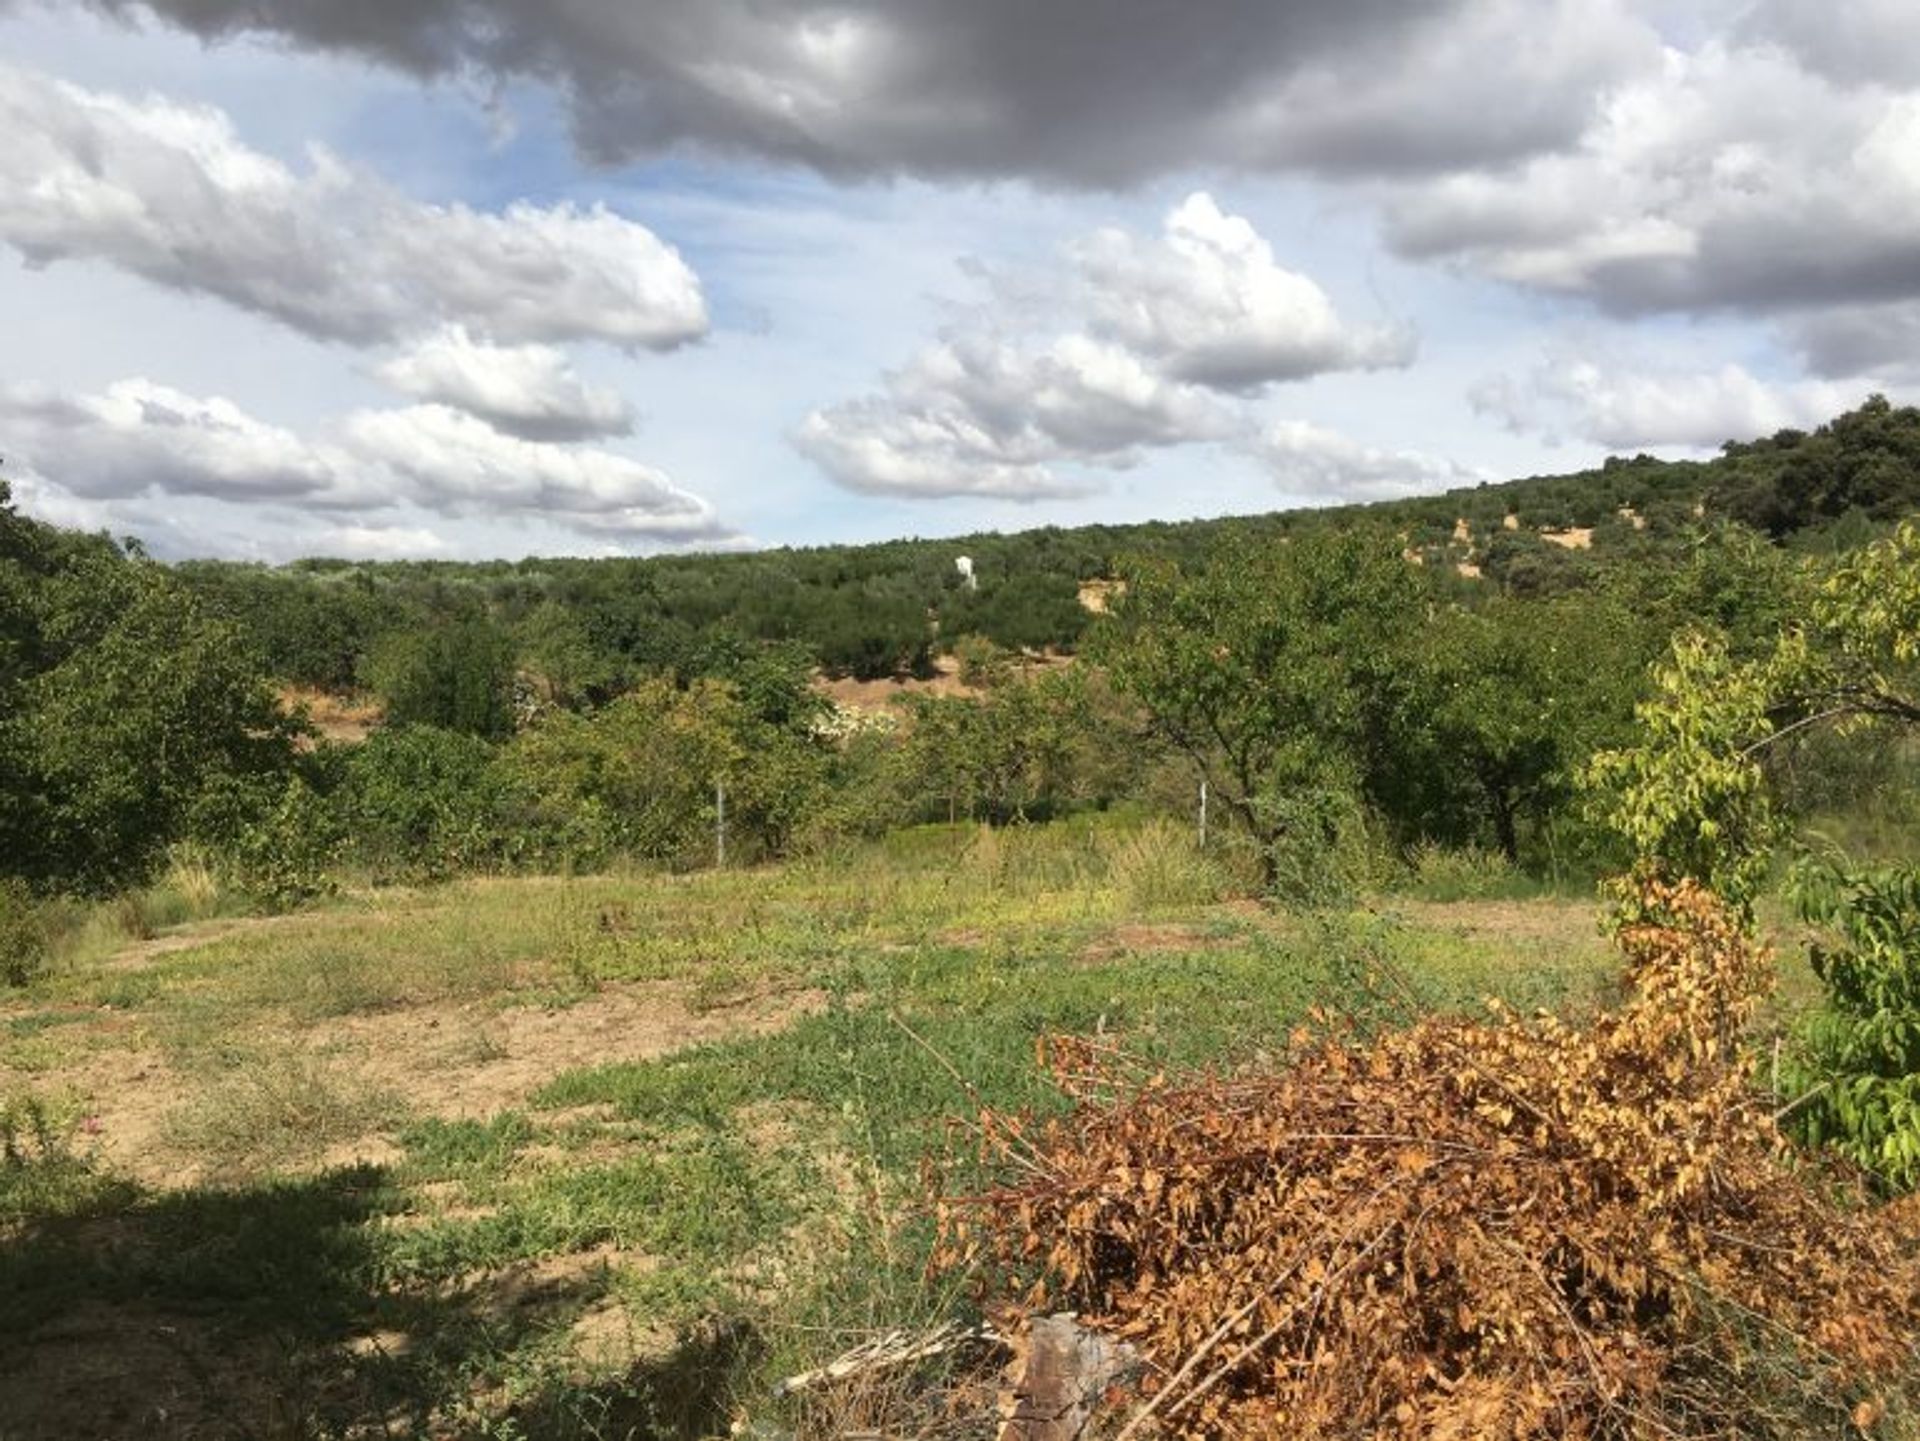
(169,192)
(1086,92)
(1876,41)
(1881,340)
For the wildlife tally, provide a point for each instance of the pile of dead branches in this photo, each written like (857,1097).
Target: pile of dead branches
(1510,1228)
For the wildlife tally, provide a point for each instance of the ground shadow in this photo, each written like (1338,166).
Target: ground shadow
(268,1311)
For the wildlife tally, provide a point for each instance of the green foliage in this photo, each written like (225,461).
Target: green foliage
(1277,670)
(1010,754)
(419,803)
(1693,797)
(639,777)
(457,676)
(1862,1062)
(291,853)
(1507,702)
(1865,462)
(23,933)
(141,703)
(1690,799)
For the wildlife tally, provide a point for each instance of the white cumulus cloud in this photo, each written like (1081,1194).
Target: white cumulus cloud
(1162,341)
(141,438)
(1311,460)
(531,391)
(1630,407)
(456,464)
(128,453)
(1206,301)
(169,192)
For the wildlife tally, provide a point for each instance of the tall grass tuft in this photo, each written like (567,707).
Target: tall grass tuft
(1160,866)
(274,1110)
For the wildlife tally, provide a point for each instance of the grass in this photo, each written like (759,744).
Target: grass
(740,1207)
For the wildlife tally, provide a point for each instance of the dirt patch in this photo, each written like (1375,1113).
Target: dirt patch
(347,719)
(129,1095)
(467,1060)
(101,1371)
(446,1060)
(1097,596)
(1574,538)
(882,695)
(1144,938)
(851,694)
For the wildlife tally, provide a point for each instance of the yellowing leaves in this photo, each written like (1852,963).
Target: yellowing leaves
(1506,1229)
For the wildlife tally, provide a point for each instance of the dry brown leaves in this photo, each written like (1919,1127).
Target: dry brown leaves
(1515,1228)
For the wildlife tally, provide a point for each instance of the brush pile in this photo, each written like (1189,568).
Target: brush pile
(1501,1229)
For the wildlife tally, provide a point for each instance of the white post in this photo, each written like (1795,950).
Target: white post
(1203,815)
(720,823)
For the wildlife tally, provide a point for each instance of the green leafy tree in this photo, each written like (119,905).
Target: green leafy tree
(457,676)
(421,803)
(1509,701)
(638,777)
(1277,670)
(147,701)
(1860,1070)
(1694,797)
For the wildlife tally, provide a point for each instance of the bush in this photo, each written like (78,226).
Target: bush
(23,934)
(289,855)
(420,803)
(1861,1067)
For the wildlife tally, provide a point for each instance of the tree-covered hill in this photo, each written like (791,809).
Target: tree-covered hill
(588,626)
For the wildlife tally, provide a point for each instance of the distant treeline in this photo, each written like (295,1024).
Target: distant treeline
(561,714)
(588,629)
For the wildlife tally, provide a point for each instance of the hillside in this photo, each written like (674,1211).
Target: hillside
(875,610)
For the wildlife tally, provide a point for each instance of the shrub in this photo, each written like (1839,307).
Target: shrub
(1861,1066)
(23,934)
(1449,873)
(288,856)
(418,802)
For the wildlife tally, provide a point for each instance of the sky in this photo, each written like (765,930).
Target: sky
(466,279)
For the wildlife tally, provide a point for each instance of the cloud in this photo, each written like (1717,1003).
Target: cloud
(1206,302)
(1860,340)
(1309,459)
(1733,179)
(1086,92)
(1631,407)
(1850,42)
(1158,340)
(170,193)
(139,447)
(372,542)
(977,414)
(140,438)
(530,391)
(460,466)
